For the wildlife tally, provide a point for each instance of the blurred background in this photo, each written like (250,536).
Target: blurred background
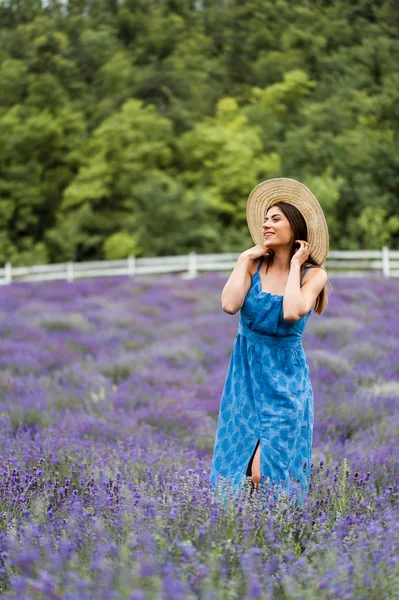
(138,128)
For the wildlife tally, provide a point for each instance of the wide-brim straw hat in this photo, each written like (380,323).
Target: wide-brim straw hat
(271,191)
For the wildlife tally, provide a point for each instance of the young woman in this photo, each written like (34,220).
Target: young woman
(265,424)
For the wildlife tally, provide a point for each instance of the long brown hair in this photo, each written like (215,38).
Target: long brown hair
(300,230)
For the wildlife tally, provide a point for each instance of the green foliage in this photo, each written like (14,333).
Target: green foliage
(120,245)
(138,128)
(222,157)
(376,228)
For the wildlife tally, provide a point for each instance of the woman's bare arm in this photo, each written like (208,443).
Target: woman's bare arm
(239,282)
(237,286)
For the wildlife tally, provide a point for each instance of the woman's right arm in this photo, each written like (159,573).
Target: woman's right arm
(239,282)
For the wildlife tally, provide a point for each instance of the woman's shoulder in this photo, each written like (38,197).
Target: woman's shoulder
(253,265)
(316,269)
(313,269)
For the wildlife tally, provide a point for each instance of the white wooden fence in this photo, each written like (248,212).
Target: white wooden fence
(343,263)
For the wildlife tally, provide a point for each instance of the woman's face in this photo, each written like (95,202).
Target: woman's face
(276,228)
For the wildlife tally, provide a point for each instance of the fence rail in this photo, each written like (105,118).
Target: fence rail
(345,263)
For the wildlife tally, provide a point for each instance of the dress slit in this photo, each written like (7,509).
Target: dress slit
(249,467)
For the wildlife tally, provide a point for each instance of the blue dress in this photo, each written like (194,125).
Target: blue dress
(267,397)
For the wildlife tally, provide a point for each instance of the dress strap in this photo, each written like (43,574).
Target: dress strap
(260,264)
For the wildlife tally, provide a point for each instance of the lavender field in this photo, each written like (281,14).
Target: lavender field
(109,396)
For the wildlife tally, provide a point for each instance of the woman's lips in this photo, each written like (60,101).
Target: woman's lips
(268,234)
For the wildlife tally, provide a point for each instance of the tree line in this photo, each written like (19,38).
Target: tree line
(140,127)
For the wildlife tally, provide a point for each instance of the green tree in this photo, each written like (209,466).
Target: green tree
(151,122)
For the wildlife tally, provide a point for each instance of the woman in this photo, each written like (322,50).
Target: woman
(265,424)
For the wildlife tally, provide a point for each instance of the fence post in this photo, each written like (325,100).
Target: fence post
(385,261)
(8,273)
(131,265)
(192,265)
(69,270)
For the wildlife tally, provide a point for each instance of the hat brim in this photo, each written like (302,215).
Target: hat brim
(271,191)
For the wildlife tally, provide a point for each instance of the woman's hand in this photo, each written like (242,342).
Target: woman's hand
(257,251)
(301,254)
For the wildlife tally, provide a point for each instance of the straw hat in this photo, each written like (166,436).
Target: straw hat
(271,191)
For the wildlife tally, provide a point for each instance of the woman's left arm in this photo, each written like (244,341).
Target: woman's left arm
(298,301)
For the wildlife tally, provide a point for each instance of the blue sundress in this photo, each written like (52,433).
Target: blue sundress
(267,398)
